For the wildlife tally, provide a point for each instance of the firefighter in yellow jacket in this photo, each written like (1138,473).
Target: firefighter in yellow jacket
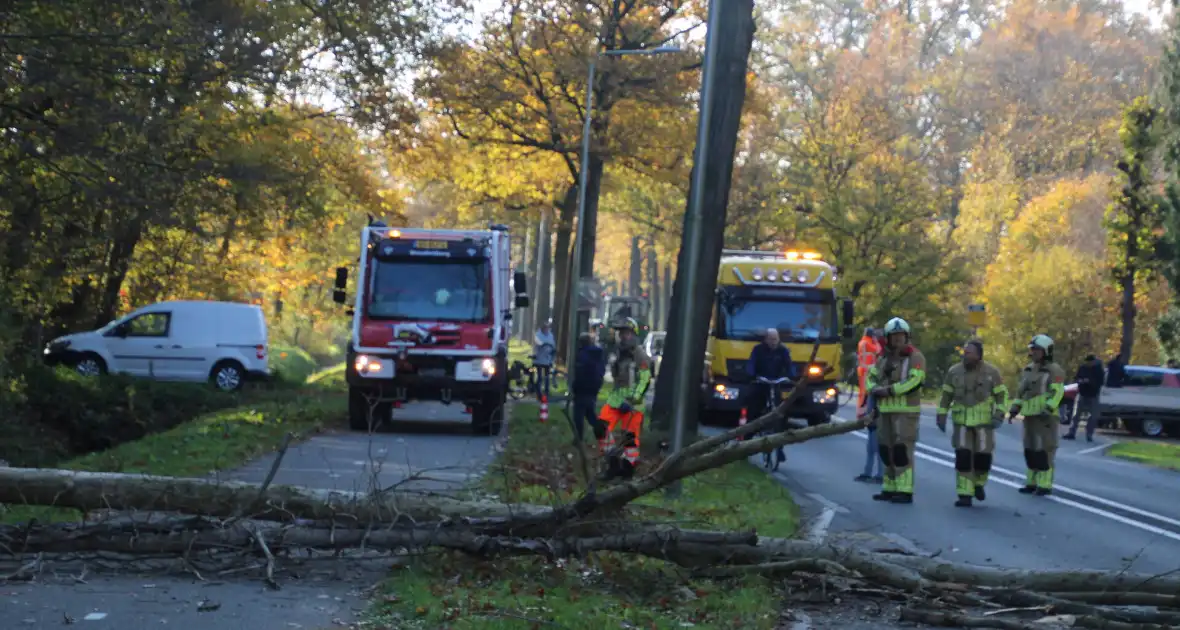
(623,412)
(976,397)
(1042,386)
(895,381)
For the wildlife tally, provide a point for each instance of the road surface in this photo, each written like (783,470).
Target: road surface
(1105,513)
(438,447)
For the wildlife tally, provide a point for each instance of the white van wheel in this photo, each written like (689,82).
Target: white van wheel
(90,365)
(1152,428)
(228,376)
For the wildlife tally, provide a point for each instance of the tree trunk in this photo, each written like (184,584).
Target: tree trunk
(1128,287)
(225,499)
(118,263)
(666,297)
(734,40)
(653,287)
(635,275)
(561,265)
(1126,345)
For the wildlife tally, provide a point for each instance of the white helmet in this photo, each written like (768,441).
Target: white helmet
(1044,342)
(897,325)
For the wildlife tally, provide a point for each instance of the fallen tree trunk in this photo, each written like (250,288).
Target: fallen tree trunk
(718,554)
(113,491)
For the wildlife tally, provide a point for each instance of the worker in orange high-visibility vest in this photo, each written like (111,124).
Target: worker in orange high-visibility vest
(866,355)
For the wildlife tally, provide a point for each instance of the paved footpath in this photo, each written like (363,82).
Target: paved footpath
(433,451)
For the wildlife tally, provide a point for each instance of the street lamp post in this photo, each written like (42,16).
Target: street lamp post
(576,266)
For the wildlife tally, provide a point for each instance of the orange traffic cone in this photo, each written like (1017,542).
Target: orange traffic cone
(742,422)
(544,408)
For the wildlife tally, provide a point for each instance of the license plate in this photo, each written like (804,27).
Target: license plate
(430,244)
(433,372)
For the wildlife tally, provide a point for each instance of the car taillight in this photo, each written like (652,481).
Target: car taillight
(260,351)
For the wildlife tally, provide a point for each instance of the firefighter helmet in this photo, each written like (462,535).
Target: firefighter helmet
(1042,341)
(897,325)
(626,323)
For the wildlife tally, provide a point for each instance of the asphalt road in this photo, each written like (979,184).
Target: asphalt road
(429,448)
(1105,513)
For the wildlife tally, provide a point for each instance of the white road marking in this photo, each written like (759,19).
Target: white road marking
(1081,506)
(1100,447)
(1056,486)
(818,530)
(831,505)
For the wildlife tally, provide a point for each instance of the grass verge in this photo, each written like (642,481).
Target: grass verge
(608,590)
(214,441)
(1160,454)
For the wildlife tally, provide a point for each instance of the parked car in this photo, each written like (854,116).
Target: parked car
(1147,404)
(224,343)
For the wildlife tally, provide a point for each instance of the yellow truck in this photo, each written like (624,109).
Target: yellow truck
(795,292)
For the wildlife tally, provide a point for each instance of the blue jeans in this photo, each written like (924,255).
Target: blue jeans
(872,456)
(542,379)
(585,410)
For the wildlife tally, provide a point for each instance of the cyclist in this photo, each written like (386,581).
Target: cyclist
(772,360)
(544,351)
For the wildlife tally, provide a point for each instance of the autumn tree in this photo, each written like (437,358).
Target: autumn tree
(522,84)
(129,127)
(1133,220)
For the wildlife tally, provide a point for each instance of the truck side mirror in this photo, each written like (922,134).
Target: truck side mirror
(522,301)
(520,282)
(341,283)
(848,311)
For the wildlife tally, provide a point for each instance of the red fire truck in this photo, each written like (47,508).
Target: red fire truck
(431,321)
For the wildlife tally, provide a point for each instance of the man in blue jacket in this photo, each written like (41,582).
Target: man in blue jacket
(589,371)
(769,359)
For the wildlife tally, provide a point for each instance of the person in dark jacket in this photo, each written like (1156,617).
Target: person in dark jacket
(589,372)
(1116,372)
(1089,378)
(769,359)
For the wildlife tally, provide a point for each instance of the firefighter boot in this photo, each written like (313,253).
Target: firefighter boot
(964,501)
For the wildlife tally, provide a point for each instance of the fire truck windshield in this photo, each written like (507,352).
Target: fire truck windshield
(748,320)
(434,290)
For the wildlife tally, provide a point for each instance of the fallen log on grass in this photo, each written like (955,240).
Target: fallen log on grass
(88,491)
(197,540)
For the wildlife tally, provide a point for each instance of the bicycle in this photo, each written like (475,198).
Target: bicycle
(770,458)
(523,379)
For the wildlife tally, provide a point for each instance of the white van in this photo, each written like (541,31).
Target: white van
(221,342)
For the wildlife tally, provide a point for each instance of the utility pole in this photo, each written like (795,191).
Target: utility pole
(723,92)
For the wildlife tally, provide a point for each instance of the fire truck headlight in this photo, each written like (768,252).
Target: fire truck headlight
(367,364)
(488,367)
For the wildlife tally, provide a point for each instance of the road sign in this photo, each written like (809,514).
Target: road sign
(976,315)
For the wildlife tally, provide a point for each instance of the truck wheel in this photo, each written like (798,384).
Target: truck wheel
(487,417)
(360,407)
(1152,428)
(818,419)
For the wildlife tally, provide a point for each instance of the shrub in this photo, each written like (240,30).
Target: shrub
(291,364)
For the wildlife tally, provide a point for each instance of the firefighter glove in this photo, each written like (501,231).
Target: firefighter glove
(881,392)
(940,419)
(625,407)
(1012,412)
